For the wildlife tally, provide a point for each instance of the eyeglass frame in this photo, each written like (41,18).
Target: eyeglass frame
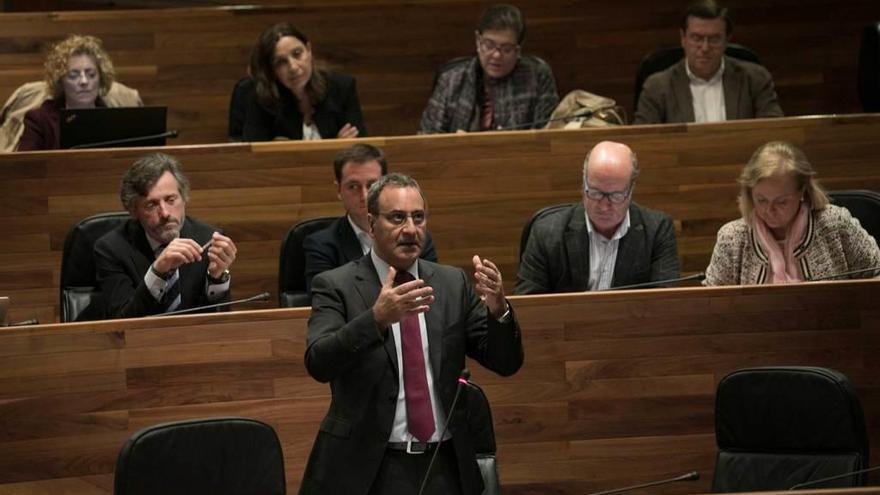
(504,49)
(406,214)
(714,41)
(602,194)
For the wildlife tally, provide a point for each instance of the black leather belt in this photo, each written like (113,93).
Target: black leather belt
(414,447)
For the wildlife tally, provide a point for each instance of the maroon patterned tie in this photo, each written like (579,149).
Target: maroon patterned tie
(419,416)
(487,113)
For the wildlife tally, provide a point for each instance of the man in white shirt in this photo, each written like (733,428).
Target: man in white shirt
(390,333)
(348,238)
(707,86)
(604,241)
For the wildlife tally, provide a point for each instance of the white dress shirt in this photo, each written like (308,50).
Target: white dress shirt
(708,96)
(603,254)
(363,237)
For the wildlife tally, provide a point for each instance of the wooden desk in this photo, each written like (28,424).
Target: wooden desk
(617,387)
(481,189)
(189,58)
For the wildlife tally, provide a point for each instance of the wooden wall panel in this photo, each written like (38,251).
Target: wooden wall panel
(189,58)
(617,388)
(481,190)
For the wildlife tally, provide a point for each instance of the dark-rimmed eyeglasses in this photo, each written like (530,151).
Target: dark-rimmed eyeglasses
(489,46)
(616,197)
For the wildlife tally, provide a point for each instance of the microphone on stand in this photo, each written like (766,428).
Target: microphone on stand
(655,283)
(847,274)
(581,112)
(691,476)
(832,478)
(462,382)
(259,297)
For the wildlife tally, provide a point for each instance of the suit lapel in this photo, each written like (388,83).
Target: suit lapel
(577,248)
(434,324)
(368,285)
(142,256)
(682,88)
(732,89)
(630,250)
(351,246)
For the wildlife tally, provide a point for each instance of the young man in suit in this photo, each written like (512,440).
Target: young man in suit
(160,260)
(348,238)
(604,241)
(707,86)
(390,333)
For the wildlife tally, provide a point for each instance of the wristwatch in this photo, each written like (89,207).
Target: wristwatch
(224,277)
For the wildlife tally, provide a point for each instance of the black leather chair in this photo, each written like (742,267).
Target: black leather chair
(780,426)
(527,228)
(292,263)
(482,432)
(869,68)
(862,204)
(220,456)
(663,58)
(78,284)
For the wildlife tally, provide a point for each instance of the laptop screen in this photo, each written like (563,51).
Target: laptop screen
(112,127)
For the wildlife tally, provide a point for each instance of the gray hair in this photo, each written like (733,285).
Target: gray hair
(390,180)
(144,174)
(634,159)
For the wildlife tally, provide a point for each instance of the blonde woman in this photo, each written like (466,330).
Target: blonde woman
(788,231)
(78,72)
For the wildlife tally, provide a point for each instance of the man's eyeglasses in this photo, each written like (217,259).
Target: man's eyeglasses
(714,41)
(616,197)
(399,217)
(490,46)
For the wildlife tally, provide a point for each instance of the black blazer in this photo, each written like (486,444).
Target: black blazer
(122,258)
(337,244)
(249,121)
(557,256)
(344,348)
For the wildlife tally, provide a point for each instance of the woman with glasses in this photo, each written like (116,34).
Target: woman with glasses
(497,89)
(788,231)
(78,74)
(291,96)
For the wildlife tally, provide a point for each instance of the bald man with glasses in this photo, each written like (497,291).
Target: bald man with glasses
(604,241)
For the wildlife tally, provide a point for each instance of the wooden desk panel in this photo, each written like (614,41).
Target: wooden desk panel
(481,189)
(189,58)
(617,388)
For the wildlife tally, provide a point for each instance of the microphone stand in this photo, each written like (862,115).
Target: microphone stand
(584,112)
(259,297)
(846,274)
(462,382)
(654,283)
(692,476)
(832,478)
(105,144)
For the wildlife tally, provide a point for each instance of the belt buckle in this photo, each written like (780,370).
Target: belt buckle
(409,449)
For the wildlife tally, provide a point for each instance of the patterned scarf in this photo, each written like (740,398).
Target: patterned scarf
(784,268)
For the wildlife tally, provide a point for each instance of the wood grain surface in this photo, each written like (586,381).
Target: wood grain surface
(617,387)
(189,58)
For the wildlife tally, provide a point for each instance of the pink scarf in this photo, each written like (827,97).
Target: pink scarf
(784,269)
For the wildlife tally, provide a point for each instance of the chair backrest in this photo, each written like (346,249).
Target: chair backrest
(527,228)
(663,58)
(869,68)
(78,284)
(862,204)
(779,426)
(220,456)
(292,291)
(482,432)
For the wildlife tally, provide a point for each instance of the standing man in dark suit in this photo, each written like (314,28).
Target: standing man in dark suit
(604,241)
(390,332)
(348,238)
(160,260)
(707,86)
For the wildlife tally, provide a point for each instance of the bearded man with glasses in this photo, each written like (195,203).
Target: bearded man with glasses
(707,86)
(604,241)
(497,89)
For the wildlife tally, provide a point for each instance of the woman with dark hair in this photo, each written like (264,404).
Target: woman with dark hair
(291,96)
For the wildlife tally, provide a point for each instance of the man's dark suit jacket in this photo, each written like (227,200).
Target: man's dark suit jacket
(122,258)
(337,244)
(748,94)
(345,348)
(557,256)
